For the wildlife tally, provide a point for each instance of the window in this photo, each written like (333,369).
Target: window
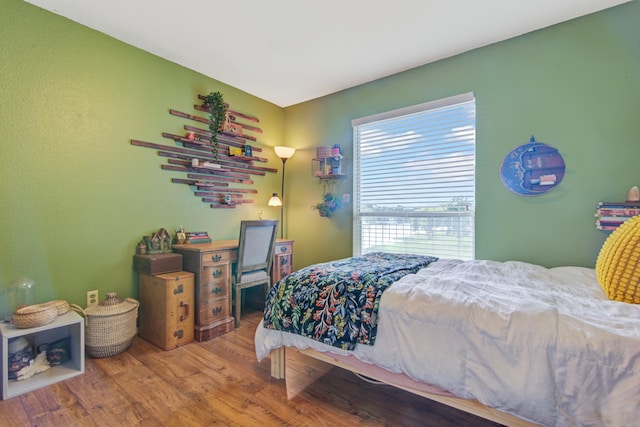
(414,180)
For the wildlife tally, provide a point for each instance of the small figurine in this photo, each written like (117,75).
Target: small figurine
(155,244)
(165,240)
(634,194)
(180,235)
(141,248)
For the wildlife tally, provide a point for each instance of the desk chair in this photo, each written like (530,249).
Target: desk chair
(255,258)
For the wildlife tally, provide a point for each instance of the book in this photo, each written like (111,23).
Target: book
(617,219)
(619,205)
(196,233)
(609,224)
(606,227)
(198,237)
(629,212)
(191,241)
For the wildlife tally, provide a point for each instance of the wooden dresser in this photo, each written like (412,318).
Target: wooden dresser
(282,260)
(212,265)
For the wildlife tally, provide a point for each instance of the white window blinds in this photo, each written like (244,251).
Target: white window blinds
(414,180)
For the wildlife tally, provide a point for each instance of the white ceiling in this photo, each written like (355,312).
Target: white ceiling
(290,51)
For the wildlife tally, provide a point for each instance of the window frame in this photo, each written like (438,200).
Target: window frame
(358,215)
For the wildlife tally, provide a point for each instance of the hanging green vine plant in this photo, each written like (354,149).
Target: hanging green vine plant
(328,205)
(217,115)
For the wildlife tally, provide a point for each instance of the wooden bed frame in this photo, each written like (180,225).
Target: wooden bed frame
(322,362)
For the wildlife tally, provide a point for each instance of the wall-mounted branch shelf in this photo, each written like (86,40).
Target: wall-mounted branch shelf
(214,167)
(329,167)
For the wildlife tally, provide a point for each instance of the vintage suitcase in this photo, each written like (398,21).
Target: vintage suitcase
(166,309)
(158,263)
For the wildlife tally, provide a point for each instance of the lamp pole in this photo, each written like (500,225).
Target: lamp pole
(284,160)
(284,153)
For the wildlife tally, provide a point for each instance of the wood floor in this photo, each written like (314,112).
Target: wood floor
(220,383)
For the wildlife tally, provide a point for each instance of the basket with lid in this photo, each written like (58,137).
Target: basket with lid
(34,315)
(110,325)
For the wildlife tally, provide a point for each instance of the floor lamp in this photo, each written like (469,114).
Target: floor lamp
(284,153)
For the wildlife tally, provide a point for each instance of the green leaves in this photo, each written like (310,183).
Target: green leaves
(217,115)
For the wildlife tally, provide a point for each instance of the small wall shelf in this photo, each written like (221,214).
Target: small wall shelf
(69,325)
(611,215)
(333,167)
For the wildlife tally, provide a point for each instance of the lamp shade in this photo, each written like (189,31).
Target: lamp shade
(275,200)
(284,152)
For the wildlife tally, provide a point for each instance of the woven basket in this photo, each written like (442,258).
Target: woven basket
(110,325)
(34,315)
(60,305)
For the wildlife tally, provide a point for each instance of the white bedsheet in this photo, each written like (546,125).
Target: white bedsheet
(542,344)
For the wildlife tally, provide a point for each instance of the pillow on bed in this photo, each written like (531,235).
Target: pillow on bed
(618,264)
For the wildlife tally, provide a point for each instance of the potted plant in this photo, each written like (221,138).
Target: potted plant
(328,205)
(217,115)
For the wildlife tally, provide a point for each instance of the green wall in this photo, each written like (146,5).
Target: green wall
(76,196)
(575,86)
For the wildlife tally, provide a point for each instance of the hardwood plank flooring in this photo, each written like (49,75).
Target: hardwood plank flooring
(218,382)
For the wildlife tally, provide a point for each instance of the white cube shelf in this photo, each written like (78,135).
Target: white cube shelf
(70,324)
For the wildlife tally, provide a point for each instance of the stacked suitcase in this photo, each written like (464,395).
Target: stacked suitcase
(166,300)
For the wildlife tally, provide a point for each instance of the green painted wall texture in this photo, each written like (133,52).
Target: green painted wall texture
(575,86)
(76,196)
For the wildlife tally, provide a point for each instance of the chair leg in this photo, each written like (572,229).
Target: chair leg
(238,303)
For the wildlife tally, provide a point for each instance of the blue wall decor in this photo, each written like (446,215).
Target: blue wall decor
(532,169)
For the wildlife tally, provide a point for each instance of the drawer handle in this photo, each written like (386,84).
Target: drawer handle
(284,261)
(283,249)
(215,311)
(216,257)
(216,274)
(216,290)
(178,290)
(178,334)
(185,316)
(284,274)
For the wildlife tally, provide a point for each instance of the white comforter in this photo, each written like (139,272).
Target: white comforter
(543,344)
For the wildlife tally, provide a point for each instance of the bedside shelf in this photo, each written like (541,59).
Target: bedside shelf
(611,215)
(70,325)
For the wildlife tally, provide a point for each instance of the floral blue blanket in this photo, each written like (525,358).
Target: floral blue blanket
(337,302)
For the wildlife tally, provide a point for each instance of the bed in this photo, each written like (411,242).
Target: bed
(513,342)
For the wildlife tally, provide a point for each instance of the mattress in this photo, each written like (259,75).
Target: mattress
(543,344)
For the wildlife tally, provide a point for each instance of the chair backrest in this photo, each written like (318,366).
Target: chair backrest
(256,245)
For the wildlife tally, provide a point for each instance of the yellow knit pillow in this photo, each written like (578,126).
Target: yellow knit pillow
(618,264)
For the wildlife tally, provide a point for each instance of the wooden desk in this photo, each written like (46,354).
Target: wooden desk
(212,265)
